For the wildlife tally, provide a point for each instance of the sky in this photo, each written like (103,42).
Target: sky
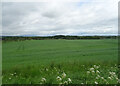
(60,18)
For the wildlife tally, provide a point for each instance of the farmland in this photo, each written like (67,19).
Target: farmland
(60,61)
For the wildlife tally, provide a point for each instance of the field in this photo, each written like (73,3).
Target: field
(60,62)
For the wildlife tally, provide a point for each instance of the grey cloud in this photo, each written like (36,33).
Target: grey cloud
(25,18)
(51,14)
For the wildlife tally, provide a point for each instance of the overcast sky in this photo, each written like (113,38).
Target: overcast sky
(59,18)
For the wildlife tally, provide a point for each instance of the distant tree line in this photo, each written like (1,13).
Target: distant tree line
(22,38)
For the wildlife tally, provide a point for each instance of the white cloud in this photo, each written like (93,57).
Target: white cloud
(53,18)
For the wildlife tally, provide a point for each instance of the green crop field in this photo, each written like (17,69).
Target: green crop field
(60,62)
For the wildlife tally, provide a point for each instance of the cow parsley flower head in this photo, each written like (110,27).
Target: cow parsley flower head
(118,80)
(96,82)
(95,66)
(60,83)
(97,77)
(91,69)
(43,80)
(63,75)
(112,73)
(109,78)
(65,82)
(102,77)
(46,69)
(69,80)
(12,74)
(97,71)
(59,78)
(88,72)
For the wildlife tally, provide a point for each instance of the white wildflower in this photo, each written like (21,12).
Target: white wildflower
(112,73)
(97,77)
(96,82)
(11,74)
(95,66)
(88,72)
(91,69)
(60,83)
(109,78)
(118,80)
(9,78)
(65,82)
(107,82)
(46,69)
(102,77)
(97,71)
(40,83)
(43,80)
(59,78)
(69,80)
(63,75)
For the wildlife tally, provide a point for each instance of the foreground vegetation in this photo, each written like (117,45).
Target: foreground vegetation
(60,62)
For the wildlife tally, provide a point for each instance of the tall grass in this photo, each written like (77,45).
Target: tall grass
(47,61)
